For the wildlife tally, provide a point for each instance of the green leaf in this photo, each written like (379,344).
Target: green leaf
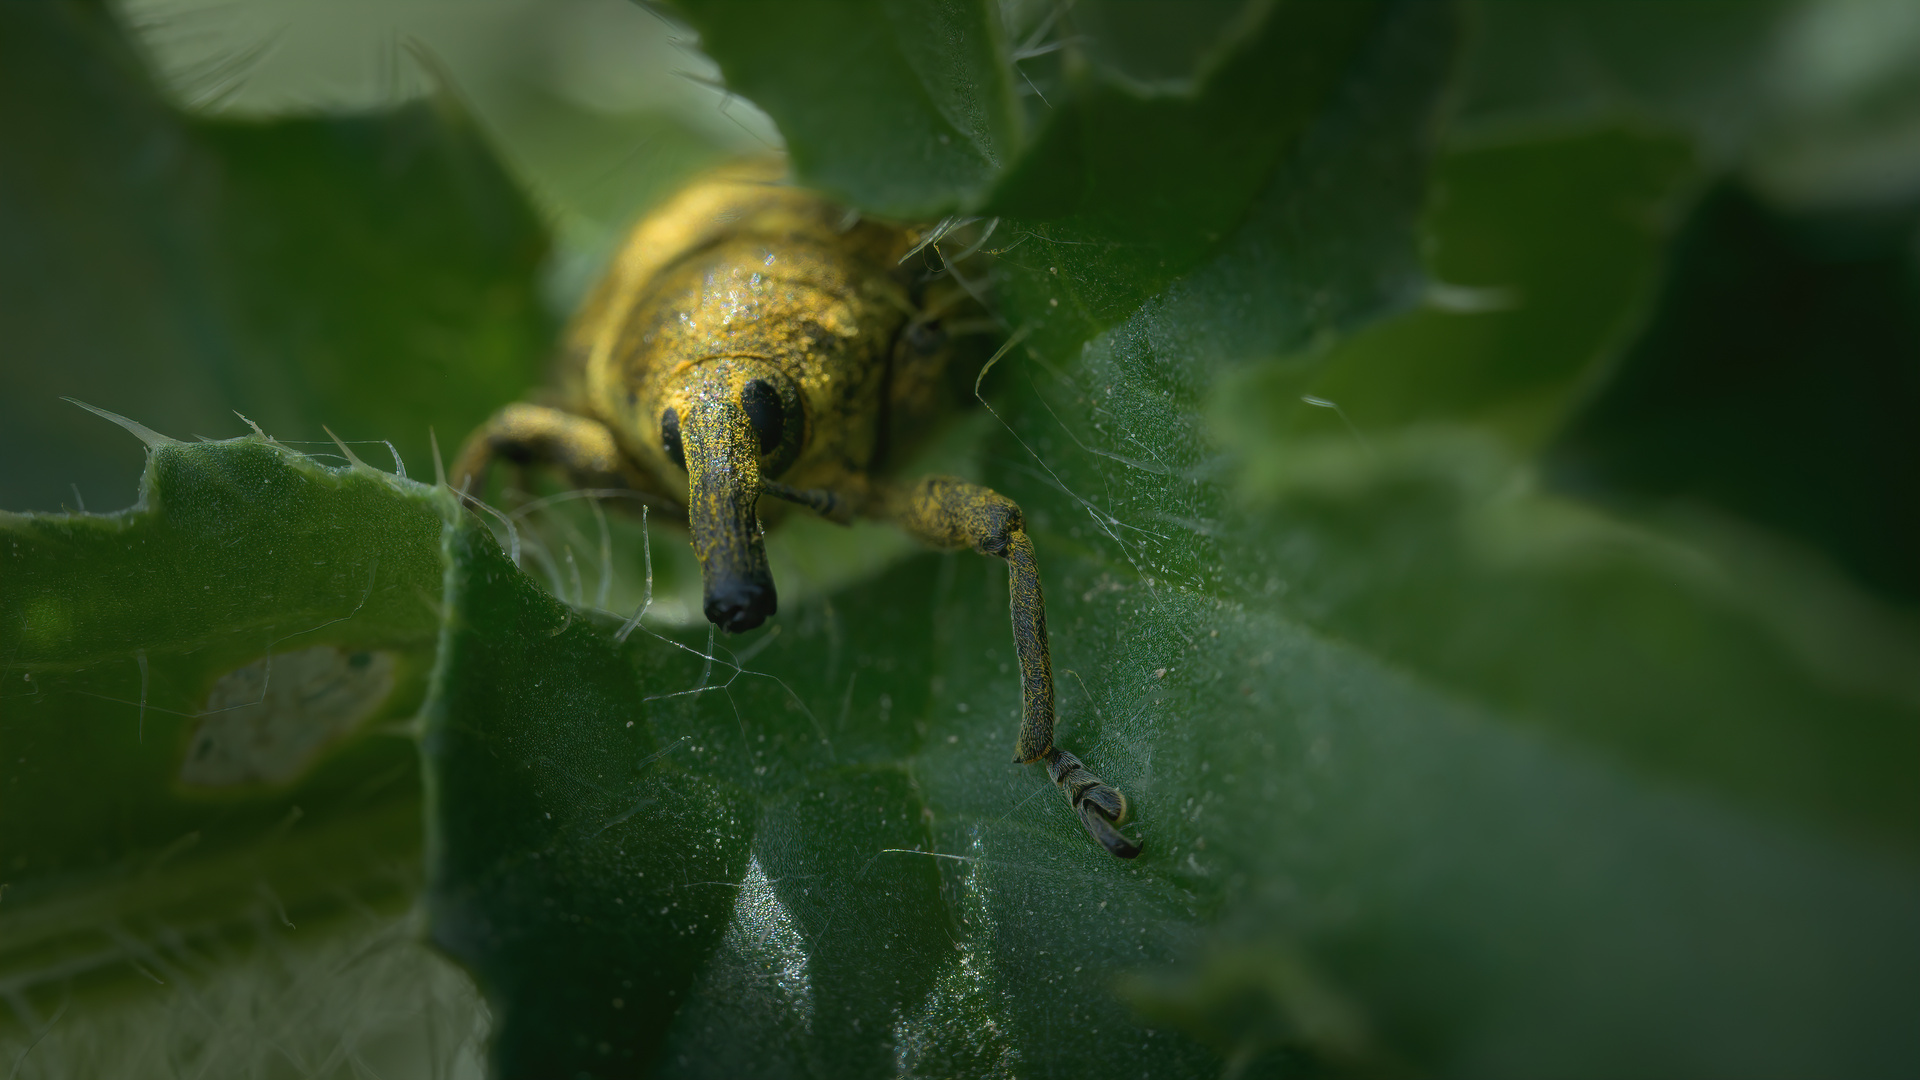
(903,109)
(1546,254)
(1150,180)
(575,868)
(1713,68)
(1712,403)
(1327,243)
(203,704)
(181,268)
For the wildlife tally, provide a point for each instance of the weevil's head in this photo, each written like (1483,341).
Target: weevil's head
(729,421)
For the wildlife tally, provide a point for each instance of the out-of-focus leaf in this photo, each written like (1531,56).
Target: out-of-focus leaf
(1776,382)
(1589,626)
(1546,254)
(1847,126)
(1435,552)
(1815,102)
(201,702)
(1706,67)
(1157,46)
(361,992)
(179,269)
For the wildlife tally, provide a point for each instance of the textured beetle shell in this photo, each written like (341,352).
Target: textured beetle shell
(741,265)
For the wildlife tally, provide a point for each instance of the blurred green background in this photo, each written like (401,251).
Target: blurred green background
(1472,449)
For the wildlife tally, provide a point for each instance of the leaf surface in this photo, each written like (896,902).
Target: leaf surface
(204,710)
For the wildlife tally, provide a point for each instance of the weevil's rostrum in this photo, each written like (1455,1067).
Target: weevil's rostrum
(752,338)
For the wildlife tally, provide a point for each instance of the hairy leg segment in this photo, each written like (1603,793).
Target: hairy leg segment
(952,514)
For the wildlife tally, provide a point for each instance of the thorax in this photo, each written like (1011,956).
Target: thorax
(815,306)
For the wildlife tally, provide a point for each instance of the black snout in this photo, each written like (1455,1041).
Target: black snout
(737,605)
(722,452)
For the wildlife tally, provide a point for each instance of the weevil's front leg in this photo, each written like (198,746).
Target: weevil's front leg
(534,434)
(951,513)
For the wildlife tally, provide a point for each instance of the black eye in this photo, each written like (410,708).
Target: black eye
(670,437)
(765,413)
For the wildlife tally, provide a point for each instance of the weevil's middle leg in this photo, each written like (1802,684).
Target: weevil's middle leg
(952,513)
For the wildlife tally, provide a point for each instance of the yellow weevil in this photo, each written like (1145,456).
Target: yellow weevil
(752,338)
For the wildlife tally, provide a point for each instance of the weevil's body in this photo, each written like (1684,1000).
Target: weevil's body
(742,267)
(752,338)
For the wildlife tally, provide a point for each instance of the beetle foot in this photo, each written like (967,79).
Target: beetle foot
(1100,807)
